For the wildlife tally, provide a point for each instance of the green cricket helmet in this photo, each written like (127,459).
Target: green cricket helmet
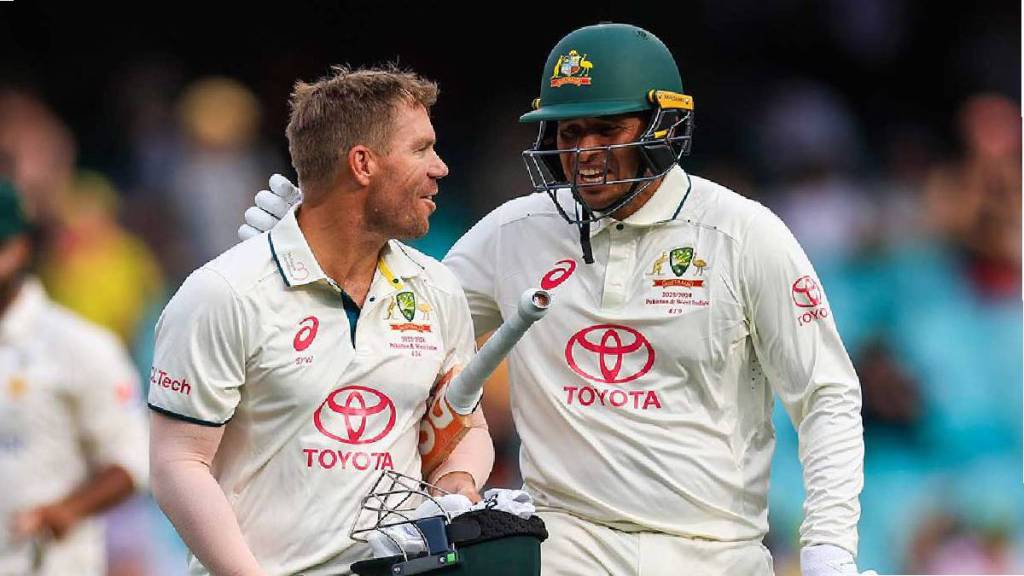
(605,70)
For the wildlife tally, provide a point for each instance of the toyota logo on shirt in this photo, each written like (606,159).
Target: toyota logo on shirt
(609,353)
(355,415)
(806,293)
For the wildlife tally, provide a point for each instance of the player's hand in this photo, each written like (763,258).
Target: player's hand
(52,520)
(829,560)
(271,206)
(459,483)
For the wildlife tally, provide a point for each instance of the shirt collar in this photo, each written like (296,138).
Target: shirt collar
(665,205)
(291,252)
(20,318)
(298,266)
(396,264)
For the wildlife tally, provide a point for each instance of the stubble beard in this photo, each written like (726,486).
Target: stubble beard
(404,224)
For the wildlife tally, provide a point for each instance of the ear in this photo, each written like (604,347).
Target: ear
(362,162)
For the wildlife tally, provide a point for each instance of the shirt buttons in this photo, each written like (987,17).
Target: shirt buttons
(620,226)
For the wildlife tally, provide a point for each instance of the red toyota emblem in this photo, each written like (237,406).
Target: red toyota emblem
(806,293)
(609,353)
(304,337)
(558,274)
(355,415)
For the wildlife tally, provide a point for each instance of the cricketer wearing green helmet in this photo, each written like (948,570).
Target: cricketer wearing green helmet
(613,121)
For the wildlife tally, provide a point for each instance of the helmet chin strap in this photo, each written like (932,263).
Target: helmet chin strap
(584,227)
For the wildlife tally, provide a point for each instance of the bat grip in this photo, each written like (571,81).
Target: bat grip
(464,392)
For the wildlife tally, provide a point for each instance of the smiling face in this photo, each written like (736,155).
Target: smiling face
(401,202)
(596,166)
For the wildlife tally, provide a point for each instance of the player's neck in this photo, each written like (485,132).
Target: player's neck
(346,250)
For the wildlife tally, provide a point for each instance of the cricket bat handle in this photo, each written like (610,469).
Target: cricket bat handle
(464,392)
(448,418)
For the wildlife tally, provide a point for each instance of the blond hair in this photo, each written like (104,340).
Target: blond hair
(347,108)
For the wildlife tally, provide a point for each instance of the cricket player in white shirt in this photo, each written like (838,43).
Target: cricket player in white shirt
(644,398)
(72,427)
(296,366)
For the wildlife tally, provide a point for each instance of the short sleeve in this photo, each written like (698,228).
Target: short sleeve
(459,342)
(199,361)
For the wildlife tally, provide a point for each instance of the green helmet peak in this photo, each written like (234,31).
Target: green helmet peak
(602,70)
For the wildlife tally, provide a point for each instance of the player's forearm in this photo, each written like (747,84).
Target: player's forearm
(832,454)
(108,487)
(104,489)
(474,454)
(180,456)
(193,501)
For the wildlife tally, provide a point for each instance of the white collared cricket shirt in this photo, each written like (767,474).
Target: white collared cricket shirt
(69,405)
(644,397)
(317,396)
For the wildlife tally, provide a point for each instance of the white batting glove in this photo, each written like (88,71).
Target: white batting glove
(829,560)
(516,502)
(271,206)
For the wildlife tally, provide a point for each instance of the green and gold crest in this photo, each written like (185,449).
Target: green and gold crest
(407,304)
(679,259)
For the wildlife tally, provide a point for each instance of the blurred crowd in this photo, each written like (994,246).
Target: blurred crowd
(916,237)
(922,268)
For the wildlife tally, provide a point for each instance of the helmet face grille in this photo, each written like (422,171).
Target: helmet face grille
(392,501)
(665,141)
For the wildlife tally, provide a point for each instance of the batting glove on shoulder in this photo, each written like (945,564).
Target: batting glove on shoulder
(271,206)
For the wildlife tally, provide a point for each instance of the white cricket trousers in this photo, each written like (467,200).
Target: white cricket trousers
(577,547)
